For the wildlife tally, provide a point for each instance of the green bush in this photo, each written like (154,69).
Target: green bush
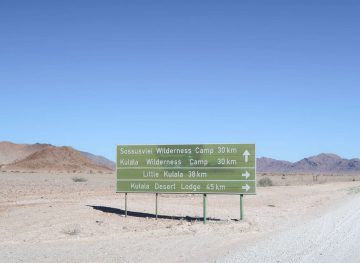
(266,181)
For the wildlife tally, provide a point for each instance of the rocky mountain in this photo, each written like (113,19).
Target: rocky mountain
(11,152)
(322,163)
(270,165)
(100,160)
(46,157)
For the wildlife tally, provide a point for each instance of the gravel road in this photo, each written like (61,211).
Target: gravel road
(332,237)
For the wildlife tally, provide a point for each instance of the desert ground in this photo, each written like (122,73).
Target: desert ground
(65,217)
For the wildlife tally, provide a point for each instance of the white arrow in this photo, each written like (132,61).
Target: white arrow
(246,187)
(246,175)
(246,155)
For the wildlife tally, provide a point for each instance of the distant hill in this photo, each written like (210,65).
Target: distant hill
(100,160)
(270,165)
(322,163)
(11,152)
(46,157)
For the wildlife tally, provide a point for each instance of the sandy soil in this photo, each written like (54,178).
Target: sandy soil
(47,217)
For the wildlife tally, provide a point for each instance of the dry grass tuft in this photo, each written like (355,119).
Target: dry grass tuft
(79,179)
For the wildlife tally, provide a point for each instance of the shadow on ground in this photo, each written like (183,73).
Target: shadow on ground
(118,211)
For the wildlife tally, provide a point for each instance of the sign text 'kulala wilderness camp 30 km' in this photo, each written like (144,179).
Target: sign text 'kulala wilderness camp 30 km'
(193,168)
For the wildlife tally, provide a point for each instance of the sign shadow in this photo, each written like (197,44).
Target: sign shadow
(120,212)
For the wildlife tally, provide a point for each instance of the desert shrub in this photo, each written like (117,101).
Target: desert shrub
(71,230)
(266,181)
(79,179)
(353,190)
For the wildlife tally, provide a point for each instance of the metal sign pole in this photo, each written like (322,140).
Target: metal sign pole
(125,204)
(204,204)
(241,207)
(156,206)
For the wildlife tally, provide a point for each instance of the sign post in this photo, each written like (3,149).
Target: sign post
(125,204)
(204,204)
(192,168)
(241,207)
(156,206)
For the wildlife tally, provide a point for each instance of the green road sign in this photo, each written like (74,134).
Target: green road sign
(194,168)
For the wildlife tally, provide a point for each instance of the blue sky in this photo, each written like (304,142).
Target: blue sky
(93,74)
